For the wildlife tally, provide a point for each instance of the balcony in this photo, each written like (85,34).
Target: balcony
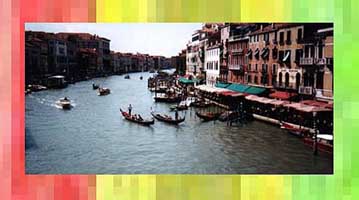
(307,90)
(306,61)
(239,51)
(322,94)
(281,42)
(288,42)
(234,67)
(234,38)
(312,61)
(275,41)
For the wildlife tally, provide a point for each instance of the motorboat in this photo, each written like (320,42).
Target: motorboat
(64,103)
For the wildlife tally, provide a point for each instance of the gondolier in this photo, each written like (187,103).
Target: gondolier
(129,109)
(176,114)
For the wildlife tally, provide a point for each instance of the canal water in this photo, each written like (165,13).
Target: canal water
(93,138)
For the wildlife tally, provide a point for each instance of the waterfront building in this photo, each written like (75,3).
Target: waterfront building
(213,58)
(116,62)
(317,64)
(86,63)
(237,46)
(179,62)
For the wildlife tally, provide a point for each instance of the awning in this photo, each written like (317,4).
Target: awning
(210,89)
(255,90)
(265,100)
(230,93)
(314,103)
(188,81)
(287,55)
(222,85)
(238,87)
(249,53)
(264,52)
(306,108)
(256,52)
(282,95)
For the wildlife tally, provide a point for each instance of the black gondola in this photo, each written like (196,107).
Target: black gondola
(208,116)
(94,86)
(167,119)
(127,76)
(179,107)
(141,77)
(133,119)
(200,104)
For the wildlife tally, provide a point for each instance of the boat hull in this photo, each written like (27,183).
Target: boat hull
(163,119)
(129,118)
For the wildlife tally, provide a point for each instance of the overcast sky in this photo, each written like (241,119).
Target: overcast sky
(166,39)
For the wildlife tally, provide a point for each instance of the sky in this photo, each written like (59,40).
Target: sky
(166,39)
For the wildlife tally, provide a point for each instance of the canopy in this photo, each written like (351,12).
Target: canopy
(255,90)
(256,52)
(325,136)
(287,55)
(187,81)
(282,95)
(222,85)
(265,100)
(249,53)
(238,87)
(211,89)
(230,93)
(306,108)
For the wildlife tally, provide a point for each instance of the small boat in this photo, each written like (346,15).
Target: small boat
(208,116)
(127,76)
(36,88)
(200,104)
(300,132)
(141,77)
(167,119)
(94,86)
(64,103)
(152,71)
(167,99)
(179,107)
(132,118)
(103,91)
(324,142)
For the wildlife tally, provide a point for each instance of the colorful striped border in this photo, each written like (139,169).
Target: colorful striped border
(16,185)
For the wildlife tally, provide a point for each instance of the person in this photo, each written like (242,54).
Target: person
(140,118)
(176,114)
(65,98)
(129,109)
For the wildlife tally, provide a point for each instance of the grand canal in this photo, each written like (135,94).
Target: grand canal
(94,138)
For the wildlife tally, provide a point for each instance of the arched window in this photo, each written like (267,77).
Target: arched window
(280,78)
(286,79)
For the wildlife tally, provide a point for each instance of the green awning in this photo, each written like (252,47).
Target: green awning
(222,85)
(238,87)
(255,90)
(187,81)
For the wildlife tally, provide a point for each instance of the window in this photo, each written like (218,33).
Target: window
(281,55)
(249,67)
(300,34)
(289,37)
(306,51)
(216,65)
(311,51)
(281,37)
(274,69)
(256,67)
(298,54)
(274,53)
(320,51)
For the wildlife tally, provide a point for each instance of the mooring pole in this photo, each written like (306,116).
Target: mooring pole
(315,145)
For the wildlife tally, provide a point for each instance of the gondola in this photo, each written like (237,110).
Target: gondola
(299,132)
(133,119)
(324,142)
(167,119)
(127,76)
(103,91)
(94,86)
(208,116)
(141,77)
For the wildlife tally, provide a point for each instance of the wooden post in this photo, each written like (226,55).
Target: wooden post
(315,145)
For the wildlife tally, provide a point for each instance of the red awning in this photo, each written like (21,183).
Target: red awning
(230,93)
(282,95)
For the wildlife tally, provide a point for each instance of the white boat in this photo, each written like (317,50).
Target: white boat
(64,103)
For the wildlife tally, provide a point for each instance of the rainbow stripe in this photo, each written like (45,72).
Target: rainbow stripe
(16,185)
